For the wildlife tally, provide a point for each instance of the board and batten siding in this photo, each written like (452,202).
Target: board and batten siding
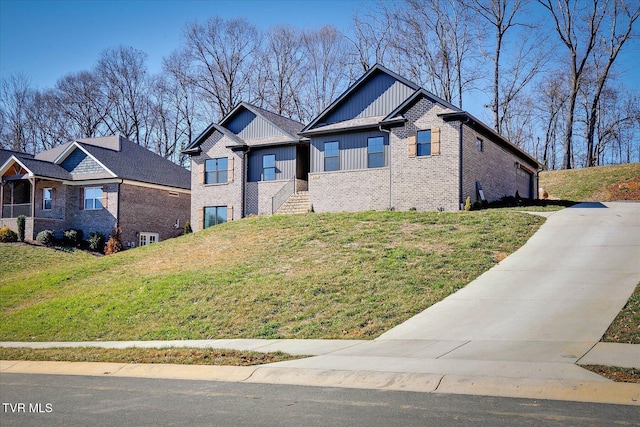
(249,126)
(353,150)
(285,162)
(377,97)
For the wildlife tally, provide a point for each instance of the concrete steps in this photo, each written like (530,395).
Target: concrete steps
(296,204)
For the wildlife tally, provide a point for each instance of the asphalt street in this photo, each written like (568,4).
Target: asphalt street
(52,400)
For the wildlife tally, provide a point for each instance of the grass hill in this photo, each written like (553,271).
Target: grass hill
(303,276)
(597,184)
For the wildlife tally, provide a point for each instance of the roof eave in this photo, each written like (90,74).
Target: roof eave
(470,119)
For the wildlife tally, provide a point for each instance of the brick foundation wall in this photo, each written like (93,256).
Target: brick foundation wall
(144,209)
(259,195)
(349,191)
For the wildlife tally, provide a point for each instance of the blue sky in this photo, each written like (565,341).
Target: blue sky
(47,39)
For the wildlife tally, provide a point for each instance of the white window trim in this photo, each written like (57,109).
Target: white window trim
(44,200)
(148,238)
(94,208)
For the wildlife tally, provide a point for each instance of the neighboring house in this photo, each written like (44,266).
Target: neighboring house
(248,164)
(93,185)
(385,143)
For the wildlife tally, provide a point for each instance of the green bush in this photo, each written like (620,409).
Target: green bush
(467,204)
(187,228)
(47,237)
(22,221)
(96,241)
(7,235)
(73,237)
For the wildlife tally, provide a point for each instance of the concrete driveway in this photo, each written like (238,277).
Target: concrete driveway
(532,316)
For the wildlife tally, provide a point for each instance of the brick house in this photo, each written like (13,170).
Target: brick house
(92,185)
(385,143)
(248,164)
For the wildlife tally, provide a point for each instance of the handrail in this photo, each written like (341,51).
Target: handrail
(281,196)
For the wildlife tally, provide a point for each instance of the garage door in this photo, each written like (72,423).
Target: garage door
(523,184)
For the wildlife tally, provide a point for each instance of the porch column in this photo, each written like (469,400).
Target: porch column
(2,199)
(32,181)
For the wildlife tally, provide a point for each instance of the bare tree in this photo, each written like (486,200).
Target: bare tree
(49,125)
(124,75)
(222,55)
(578,25)
(326,60)
(502,16)
(371,42)
(283,71)
(16,98)
(436,41)
(81,97)
(620,19)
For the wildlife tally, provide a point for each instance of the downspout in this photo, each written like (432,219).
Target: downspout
(245,173)
(118,204)
(388,131)
(460,165)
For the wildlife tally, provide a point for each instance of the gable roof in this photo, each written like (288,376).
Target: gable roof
(194,147)
(289,128)
(373,71)
(119,157)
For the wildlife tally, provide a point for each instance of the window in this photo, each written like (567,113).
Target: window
(47,198)
(332,156)
(479,146)
(149,238)
(375,152)
(424,142)
(269,167)
(214,215)
(93,198)
(215,170)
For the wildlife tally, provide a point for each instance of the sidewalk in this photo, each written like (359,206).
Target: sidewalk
(518,330)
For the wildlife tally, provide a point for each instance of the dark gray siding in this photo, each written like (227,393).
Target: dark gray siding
(353,150)
(378,97)
(249,126)
(285,162)
(78,163)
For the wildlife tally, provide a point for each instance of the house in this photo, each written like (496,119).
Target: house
(385,143)
(93,185)
(248,164)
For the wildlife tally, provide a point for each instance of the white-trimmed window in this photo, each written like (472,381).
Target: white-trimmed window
(47,198)
(93,198)
(149,238)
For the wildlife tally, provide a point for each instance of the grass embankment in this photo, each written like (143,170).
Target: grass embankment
(305,276)
(181,356)
(598,184)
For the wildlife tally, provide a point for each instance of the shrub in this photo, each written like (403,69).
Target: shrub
(47,237)
(467,204)
(73,237)
(22,221)
(187,227)
(114,245)
(96,241)
(7,235)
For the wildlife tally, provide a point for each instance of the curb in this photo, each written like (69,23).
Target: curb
(568,390)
